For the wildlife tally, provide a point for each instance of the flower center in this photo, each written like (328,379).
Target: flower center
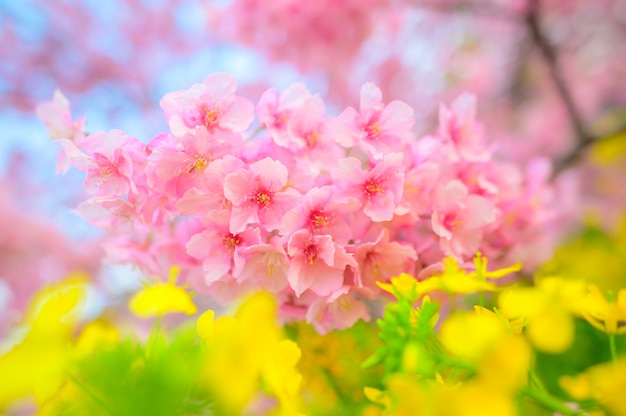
(230,241)
(373,130)
(210,115)
(319,219)
(371,187)
(263,198)
(311,138)
(310,252)
(197,165)
(452,221)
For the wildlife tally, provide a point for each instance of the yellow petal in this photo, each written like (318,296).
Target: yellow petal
(579,387)
(552,331)
(162,299)
(524,302)
(376,396)
(95,335)
(281,375)
(402,286)
(205,323)
(470,336)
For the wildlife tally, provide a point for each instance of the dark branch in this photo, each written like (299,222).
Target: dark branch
(584,138)
(470,8)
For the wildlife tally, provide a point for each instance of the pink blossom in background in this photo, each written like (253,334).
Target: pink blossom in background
(57,118)
(459,129)
(275,110)
(33,251)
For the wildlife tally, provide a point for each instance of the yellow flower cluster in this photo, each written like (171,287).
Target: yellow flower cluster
(483,363)
(242,361)
(246,351)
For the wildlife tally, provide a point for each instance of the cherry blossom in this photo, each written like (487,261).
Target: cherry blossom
(380,189)
(317,264)
(315,220)
(377,128)
(209,105)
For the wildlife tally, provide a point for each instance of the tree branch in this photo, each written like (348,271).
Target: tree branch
(583,136)
(470,8)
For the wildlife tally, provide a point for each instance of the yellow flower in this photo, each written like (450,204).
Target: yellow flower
(403,286)
(512,325)
(547,308)
(37,364)
(205,325)
(246,351)
(481,269)
(469,336)
(453,280)
(595,256)
(281,375)
(95,335)
(162,299)
(605,383)
(606,316)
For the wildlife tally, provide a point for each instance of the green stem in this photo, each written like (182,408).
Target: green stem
(481,299)
(613,347)
(535,380)
(549,402)
(89,393)
(153,340)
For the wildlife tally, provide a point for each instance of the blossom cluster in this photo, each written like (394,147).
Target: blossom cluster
(313,208)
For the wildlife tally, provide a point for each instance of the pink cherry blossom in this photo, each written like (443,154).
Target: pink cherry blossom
(419,183)
(274,111)
(380,189)
(265,264)
(207,198)
(257,195)
(458,218)
(287,211)
(459,128)
(377,128)
(57,117)
(311,136)
(210,105)
(317,264)
(218,248)
(339,311)
(109,161)
(320,212)
(179,163)
(108,212)
(380,260)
